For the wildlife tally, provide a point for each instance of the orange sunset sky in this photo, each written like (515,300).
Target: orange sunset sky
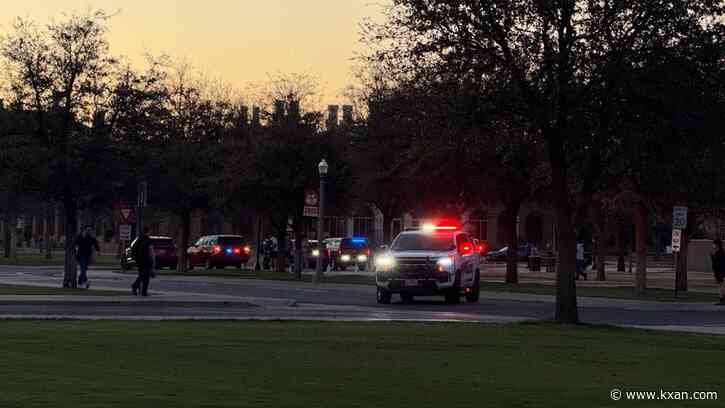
(238,41)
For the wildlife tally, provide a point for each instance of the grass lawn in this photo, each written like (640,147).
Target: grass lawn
(39,290)
(56,260)
(311,364)
(618,292)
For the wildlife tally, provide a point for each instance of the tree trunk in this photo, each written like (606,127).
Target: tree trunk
(70,213)
(185,218)
(298,250)
(621,248)
(566,302)
(281,247)
(600,238)
(7,245)
(641,224)
(512,212)
(47,219)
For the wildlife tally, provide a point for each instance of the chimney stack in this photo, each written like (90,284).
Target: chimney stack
(332,116)
(255,116)
(243,115)
(278,114)
(347,115)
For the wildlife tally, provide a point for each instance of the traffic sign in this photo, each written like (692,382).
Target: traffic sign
(308,211)
(312,198)
(676,240)
(124,232)
(127,214)
(679,217)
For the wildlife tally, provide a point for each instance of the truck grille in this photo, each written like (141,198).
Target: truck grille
(421,267)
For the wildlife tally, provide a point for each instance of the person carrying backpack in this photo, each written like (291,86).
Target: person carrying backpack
(143,253)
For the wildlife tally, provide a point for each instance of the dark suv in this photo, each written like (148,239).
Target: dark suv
(219,251)
(164,250)
(345,252)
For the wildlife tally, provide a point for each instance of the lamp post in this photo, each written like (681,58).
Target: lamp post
(322,167)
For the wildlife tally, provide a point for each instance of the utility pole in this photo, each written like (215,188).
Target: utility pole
(323,168)
(140,204)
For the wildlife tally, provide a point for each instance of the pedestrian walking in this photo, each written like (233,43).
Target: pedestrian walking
(580,265)
(145,258)
(718,267)
(84,246)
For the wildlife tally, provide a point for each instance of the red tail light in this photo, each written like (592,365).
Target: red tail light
(216,249)
(367,252)
(237,250)
(465,248)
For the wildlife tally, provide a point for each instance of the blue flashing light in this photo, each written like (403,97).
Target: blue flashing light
(359,240)
(229,250)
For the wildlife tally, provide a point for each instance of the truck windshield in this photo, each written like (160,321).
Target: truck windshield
(423,242)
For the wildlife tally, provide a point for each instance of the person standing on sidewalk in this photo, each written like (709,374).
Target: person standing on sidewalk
(85,244)
(718,267)
(143,253)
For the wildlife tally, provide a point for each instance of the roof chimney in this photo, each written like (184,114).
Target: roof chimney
(347,115)
(332,116)
(255,116)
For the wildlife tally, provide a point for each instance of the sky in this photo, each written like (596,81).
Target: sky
(237,41)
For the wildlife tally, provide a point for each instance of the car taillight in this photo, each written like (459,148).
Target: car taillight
(247,249)
(216,249)
(367,252)
(465,248)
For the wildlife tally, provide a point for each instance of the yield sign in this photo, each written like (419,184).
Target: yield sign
(126,213)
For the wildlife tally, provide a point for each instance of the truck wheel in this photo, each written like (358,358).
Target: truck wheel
(474,294)
(384,296)
(407,298)
(453,295)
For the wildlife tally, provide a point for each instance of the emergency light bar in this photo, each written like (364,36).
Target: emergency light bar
(440,227)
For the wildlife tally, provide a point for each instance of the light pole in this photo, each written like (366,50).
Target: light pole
(322,167)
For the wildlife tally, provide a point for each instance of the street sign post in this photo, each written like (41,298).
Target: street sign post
(679,218)
(311,212)
(676,240)
(312,204)
(124,232)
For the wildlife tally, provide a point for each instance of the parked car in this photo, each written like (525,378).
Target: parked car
(500,255)
(164,249)
(345,252)
(219,251)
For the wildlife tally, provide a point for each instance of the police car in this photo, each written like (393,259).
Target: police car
(437,259)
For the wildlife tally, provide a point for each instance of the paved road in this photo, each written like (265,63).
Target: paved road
(226,297)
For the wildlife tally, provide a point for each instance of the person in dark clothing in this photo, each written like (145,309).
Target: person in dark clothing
(718,267)
(143,253)
(84,246)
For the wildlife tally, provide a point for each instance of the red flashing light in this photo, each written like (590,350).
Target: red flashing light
(465,248)
(217,249)
(237,250)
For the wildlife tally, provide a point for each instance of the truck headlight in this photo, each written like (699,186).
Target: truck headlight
(345,258)
(385,262)
(362,258)
(315,252)
(444,264)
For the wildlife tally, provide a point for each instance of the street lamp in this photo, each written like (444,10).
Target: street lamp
(323,167)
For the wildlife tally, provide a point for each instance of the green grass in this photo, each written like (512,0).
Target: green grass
(617,292)
(310,364)
(56,260)
(41,291)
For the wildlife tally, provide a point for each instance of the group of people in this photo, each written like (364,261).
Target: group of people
(86,244)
